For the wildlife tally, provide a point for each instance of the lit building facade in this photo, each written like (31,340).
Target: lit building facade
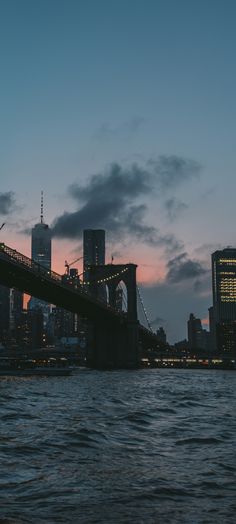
(224,299)
(11,306)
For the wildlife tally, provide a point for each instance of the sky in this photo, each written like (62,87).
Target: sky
(123,113)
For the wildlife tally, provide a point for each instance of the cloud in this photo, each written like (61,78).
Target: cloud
(172,170)
(111,200)
(183,268)
(7,203)
(157,321)
(107,132)
(205,250)
(174,208)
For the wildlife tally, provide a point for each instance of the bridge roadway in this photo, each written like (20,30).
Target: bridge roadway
(26,275)
(111,327)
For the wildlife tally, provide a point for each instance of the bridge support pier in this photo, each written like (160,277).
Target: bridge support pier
(114,346)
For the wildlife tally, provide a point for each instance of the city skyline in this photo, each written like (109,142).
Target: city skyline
(83,108)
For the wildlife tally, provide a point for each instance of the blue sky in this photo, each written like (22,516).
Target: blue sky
(88,83)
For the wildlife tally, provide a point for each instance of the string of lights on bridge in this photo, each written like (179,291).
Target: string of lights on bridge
(107,279)
(12,253)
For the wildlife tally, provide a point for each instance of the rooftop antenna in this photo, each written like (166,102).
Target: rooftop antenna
(41,216)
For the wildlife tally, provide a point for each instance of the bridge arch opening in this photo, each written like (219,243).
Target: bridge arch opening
(121,297)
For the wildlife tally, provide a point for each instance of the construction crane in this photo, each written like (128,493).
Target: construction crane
(2,225)
(67,266)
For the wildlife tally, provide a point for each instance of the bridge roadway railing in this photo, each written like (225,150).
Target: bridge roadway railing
(14,256)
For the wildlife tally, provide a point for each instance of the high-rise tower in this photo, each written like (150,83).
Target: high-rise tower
(41,241)
(94,254)
(224,298)
(94,248)
(41,250)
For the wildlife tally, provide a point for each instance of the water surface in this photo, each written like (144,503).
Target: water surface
(148,446)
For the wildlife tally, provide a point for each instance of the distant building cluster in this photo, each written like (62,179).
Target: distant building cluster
(221,337)
(41,324)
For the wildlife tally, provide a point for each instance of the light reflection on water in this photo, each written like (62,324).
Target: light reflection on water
(153,446)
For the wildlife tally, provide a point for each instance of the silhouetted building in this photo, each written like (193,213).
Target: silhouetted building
(41,242)
(94,255)
(161,334)
(30,333)
(11,306)
(93,248)
(224,299)
(64,323)
(212,328)
(198,338)
(4,312)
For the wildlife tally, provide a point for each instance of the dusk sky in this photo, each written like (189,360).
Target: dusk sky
(124,114)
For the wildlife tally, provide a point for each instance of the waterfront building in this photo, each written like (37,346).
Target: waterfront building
(224,299)
(161,334)
(64,323)
(212,328)
(11,306)
(198,338)
(30,333)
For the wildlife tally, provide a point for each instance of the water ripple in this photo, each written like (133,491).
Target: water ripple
(149,446)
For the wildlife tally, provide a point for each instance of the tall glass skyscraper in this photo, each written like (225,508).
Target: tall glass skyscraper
(224,298)
(94,255)
(41,251)
(94,248)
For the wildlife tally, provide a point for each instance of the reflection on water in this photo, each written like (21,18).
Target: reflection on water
(153,446)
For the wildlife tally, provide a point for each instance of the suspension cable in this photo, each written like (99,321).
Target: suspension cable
(144,309)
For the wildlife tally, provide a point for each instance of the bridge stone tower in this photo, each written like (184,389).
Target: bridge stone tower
(116,343)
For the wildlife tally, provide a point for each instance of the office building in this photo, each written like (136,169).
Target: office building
(30,333)
(161,334)
(41,242)
(11,306)
(93,248)
(224,299)
(198,338)
(94,255)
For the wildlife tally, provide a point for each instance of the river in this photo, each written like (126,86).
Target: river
(148,446)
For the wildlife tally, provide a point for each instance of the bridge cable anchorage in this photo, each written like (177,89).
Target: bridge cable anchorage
(144,309)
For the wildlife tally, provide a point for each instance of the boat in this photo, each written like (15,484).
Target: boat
(23,367)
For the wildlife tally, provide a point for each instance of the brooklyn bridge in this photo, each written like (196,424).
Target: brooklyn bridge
(117,339)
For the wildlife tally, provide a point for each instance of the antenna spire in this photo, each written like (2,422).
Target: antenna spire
(41,216)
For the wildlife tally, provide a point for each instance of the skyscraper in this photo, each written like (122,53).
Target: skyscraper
(224,298)
(11,306)
(94,247)
(94,254)
(41,241)
(197,337)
